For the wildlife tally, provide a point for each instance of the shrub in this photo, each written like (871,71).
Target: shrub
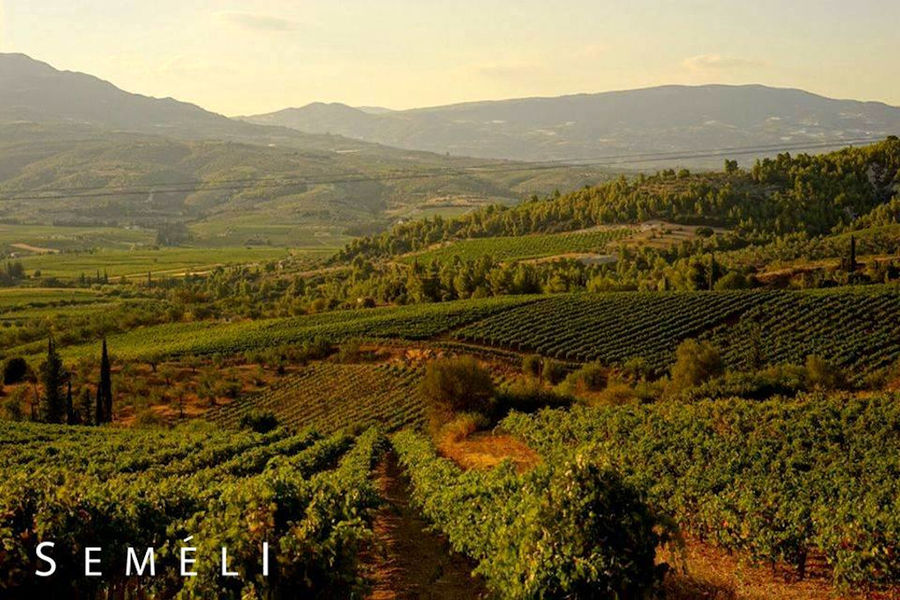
(259,421)
(820,374)
(527,397)
(462,426)
(780,380)
(531,365)
(453,385)
(734,280)
(554,371)
(14,370)
(592,377)
(636,368)
(12,408)
(695,362)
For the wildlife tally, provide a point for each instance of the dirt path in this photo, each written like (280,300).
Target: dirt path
(409,561)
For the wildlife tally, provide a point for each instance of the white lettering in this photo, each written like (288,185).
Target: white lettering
(51,569)
(89,560)
(139,568)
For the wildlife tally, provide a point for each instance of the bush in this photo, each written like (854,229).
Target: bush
(12,408)
(780,380)
(554,371)
(695,363)
(734,280)
(527,397)
(453,385)
(592,377)
(590,535)
(636,368)
(531,365)
(14,370)
(820,374)
(259,421)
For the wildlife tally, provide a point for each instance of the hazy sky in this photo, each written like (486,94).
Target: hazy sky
(260,55)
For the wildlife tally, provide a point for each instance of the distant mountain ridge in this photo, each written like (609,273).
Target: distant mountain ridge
(34,91)
(78,150)
(670,118)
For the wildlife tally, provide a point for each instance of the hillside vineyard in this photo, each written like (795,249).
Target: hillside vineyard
(326,353)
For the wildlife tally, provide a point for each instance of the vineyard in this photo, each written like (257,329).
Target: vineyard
(309,497)
(328,396)
(522,247)
(857,328)
(783,481)
(414,322)
(853,327)
(513,525)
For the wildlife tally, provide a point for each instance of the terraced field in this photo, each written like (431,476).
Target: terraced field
(328,396)
(522,247)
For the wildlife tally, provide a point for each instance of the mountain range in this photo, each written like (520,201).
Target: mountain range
(78,150)
(610,125)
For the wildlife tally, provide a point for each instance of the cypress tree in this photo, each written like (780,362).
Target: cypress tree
(70,409)
(104,389)
(86,407)
(53,376)
(852,253)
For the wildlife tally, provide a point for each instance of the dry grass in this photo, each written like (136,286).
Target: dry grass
(710,573)
(485,450)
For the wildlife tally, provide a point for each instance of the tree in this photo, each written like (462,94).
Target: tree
(454,385)
(695,362)
(15,370)
(531,365)
(820,374)
(104,389)
(53,377)
(70,409)
(86,407)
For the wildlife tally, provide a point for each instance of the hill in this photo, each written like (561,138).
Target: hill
(672,118)
(78,150)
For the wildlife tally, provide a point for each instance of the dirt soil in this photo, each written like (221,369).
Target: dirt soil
(408,561)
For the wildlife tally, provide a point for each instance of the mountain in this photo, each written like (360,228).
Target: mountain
(675,119)
(33,91)
(78,150)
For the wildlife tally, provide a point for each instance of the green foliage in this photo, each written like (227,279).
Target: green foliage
(733,280)
(778,480)
(572,530)
(592,377)
(781,195)
(52,408)
(554,371)
(453,385)
(153,487)
(695,363)
(259,421)
(820,374)
(14,370)
(532,365)
(522,247)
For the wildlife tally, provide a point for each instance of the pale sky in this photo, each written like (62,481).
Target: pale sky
(254,56)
